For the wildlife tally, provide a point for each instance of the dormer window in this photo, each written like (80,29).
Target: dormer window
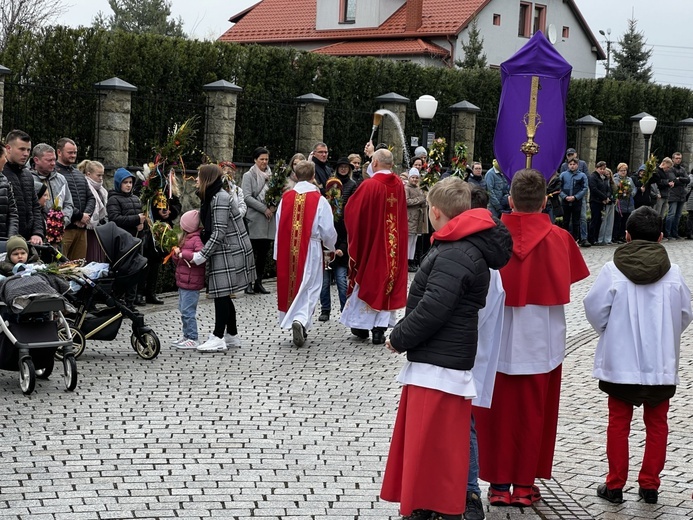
(347,11)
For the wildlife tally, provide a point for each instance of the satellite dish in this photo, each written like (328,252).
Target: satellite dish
(551,33)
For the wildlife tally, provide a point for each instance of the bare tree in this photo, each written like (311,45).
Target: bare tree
(16,15)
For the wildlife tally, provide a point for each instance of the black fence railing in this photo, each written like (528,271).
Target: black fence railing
(50,113)
(152,120)
(346,130)
(265,122)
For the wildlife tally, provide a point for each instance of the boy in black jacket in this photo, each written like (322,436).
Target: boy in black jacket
(427,466)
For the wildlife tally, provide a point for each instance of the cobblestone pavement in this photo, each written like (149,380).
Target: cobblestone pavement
(274,432)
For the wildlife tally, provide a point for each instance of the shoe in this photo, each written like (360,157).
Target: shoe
(213,344)
(615,496)
(179,341)
(360,333)
(249,289)
(154,299)
(474,508)
(232,341)
(324,316)
(140,301)
(298,333)
(584,243)
(599,244)
(259,288)
(378,335)
(412,267)
(524,496)
(419,514)
(650,496)
(188,344)
(496,497)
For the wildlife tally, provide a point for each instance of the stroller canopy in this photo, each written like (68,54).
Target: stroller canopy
(122,250)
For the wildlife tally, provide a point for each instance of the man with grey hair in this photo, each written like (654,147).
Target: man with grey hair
(377,229)
(45,175)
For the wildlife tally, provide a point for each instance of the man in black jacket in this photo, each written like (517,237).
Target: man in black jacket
(677,197)
(322,170)
(75,238)
(31,223)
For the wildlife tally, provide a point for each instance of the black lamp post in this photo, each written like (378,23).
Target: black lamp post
(426,107)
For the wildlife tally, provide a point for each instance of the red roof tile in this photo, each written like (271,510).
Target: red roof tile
(383,48)
(268,22)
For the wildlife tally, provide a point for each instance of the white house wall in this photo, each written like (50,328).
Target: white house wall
(369,13)
(501,42)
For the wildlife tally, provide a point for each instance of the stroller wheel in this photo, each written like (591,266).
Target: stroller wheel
(78,342)
(149,348)
(70,372)
(45,373)
(27,375)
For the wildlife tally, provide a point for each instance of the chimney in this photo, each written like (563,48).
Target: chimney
(414,14)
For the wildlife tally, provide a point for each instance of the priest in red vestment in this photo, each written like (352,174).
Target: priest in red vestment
(305,226)
(376,222)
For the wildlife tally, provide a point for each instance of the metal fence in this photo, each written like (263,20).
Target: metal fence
(153,118)
(347,130)
(49,113)
(265,122)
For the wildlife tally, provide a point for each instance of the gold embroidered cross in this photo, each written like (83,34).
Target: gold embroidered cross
(391,200)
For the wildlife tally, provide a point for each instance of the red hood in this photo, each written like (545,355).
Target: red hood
(465,224)
(527,229)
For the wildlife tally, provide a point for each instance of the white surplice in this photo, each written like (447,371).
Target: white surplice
(322,234)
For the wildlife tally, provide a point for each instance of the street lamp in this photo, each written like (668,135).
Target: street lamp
(426,107)
(647,128)
(608,49)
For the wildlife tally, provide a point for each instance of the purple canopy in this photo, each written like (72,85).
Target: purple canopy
(536,58)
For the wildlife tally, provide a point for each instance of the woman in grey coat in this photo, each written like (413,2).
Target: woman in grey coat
(228,253)
(259,217)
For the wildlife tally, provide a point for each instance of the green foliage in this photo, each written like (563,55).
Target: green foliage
(141,16)
(50,93)
(474,57)
(632,59)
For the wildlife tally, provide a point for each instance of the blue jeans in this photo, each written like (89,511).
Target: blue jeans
(340,275)
(473,475)
(187,305)
(671,227)
(583,219)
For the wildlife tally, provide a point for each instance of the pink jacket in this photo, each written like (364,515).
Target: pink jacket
(188,275)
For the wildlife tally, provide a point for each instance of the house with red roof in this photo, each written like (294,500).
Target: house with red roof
(429,32)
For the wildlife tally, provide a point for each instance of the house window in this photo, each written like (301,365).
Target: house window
(347,11)
(566,32)
(539,18)
(496,19)
(525,25)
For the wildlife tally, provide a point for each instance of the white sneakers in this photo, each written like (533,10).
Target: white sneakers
(213,344)
(184,344)
(299,333)
(232,341)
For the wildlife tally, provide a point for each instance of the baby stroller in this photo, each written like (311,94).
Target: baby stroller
(32,313)
(100,310)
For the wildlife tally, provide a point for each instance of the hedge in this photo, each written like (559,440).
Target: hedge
(53,70)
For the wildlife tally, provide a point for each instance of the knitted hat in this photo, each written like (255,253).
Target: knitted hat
(414,173)
(420,152)
(120,175)
(642,168)
(16,242)
(190,221)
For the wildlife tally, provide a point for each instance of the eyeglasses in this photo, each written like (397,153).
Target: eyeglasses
(321,151)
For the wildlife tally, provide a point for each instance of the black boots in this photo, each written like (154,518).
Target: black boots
(258,288)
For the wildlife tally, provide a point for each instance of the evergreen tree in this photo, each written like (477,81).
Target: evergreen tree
(141,16)
(632,59)
(474,57)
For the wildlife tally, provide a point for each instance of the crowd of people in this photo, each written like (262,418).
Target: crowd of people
(483,332)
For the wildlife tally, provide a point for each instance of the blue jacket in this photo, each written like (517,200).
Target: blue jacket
(574,184)
(498,191)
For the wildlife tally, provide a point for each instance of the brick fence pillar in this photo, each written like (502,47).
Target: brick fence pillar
(588,139)
(390,133)
(220,119)
(463,127)
(685,145)
(310,122)
(113,131)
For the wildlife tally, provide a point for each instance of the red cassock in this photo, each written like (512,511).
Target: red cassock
(376,221)
(293,237)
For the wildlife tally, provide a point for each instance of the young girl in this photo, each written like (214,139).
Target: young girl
(190,277)
(227,248)
(94,172)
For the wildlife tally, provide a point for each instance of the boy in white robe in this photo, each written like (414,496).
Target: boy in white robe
(639,305)
(305,225)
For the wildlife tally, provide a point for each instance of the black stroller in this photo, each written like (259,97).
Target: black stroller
(31,317)
(100,310)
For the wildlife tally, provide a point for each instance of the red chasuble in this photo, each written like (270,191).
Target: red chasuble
(545,262)
(293,237)
(376,221)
